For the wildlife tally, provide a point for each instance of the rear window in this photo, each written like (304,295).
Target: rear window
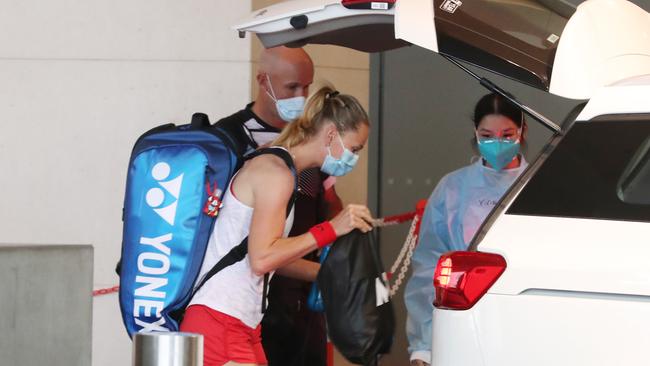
(634,185)
(600,170)
(515,38)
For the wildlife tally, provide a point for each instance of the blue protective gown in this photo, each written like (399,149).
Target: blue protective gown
(454,212)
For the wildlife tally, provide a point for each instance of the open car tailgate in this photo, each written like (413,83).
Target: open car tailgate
(602,42)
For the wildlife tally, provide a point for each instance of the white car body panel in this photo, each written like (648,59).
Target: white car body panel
(544,328)
(632,96)
(414,23)
(604,41)
(276,17)
(591,256)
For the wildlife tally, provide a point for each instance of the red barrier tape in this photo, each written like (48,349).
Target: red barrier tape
(419,211)
(408,216)
(106,291)
(398,219)
(330,354)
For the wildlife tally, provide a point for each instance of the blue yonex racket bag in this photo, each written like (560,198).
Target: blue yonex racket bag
(175,182)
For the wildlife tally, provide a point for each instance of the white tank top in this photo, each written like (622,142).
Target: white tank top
(235,290)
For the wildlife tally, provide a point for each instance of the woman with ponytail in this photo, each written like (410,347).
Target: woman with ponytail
(227,309)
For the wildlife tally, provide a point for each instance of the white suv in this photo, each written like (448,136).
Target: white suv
(559,274)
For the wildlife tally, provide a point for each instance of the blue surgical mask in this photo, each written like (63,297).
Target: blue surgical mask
(498,151)
(289,109)
(343,165)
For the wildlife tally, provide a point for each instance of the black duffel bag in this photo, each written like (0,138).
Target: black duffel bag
(359,314)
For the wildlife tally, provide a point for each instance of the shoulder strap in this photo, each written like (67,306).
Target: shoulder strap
(283,154)
(239,252)
(234,255)
(234,126)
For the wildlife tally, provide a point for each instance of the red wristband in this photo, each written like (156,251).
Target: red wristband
(323,233)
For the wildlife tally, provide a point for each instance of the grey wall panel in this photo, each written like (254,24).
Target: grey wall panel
(46,305)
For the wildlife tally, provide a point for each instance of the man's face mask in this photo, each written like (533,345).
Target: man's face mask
(498,151)
(289,109)
(343,165)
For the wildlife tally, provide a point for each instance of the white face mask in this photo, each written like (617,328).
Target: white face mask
(289,109)
(341,166)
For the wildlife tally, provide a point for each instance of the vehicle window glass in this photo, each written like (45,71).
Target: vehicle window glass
(634,185)
(515,38)
(599,170)
(530,21)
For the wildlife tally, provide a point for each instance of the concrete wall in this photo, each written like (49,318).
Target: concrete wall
(80,81)
(46,305)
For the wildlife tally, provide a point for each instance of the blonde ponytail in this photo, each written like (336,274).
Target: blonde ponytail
(326,105)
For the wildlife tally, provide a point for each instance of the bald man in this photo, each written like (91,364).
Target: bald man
(292,335)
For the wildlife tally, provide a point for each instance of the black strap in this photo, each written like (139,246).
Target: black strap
(239,252)
(286,157)
(265,292)
(234,126)
(234,255)
(248,136)
(278,151)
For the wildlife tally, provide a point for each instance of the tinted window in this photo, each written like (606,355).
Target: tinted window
(634,185)
(515,38)
(599,170)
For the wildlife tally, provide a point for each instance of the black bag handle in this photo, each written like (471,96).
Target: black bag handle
(200,121)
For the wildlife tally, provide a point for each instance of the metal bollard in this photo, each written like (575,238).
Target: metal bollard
(167,349)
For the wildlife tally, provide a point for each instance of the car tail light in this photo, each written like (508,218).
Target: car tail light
(462,278)
(368,4)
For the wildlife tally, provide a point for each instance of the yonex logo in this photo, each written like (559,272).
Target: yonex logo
(156,196)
